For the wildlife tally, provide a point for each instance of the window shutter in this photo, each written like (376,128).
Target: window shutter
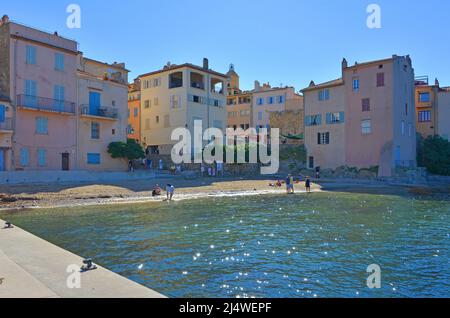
(319,119)
(2,113)
(318,139)
(327,137)
(328,118)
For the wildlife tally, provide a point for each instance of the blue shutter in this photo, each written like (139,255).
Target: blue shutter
(319,119)
(328,118)
(307,120)
(2,113)
(342,117)
(94,103)
(93,158)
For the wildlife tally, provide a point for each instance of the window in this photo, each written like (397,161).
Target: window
(147,123)
(146,103)
(157,119)
(24,157)
(311,162)
(380,79)
(270,100)
(324,95)
(42,157)
(356,84)
(157,82)
(196,99)
(166,121)
(410,130)
(366,105)
(93,158)
(175,101)
(31,55)
(366,127)
(156,101)
(280,99)
(58,96)
(59,61)
(260,101)
(402,128)
(313,120)
(335,118)
(424,97)
(95,130)
(406,109)
(2,113)
(41,125)
(323,138)
(425,116)
(136,112)
(31,93)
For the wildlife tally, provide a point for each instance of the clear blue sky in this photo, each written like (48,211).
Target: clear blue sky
(276,41)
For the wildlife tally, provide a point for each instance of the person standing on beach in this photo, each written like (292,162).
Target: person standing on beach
(170,189)
(308,185)
(290,184)
(161,164)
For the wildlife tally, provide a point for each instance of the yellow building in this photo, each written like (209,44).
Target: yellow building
(102,100)
(239,103)
(175,97)
(134,111)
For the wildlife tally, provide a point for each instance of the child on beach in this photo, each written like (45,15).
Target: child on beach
(290,184)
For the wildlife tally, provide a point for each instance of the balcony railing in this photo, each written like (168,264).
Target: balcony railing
(7,124)
(106,112)
(45,104)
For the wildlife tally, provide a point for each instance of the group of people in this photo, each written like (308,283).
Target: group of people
(290,184)
(215,170)
(170,191)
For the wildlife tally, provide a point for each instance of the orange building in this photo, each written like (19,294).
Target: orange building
(134,111)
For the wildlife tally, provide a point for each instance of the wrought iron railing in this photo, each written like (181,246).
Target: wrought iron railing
(107,112)
(45,104)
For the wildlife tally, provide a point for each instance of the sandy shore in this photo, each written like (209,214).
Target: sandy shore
(68,195)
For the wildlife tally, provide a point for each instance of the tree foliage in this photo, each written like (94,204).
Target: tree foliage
(433,153)
(130,150)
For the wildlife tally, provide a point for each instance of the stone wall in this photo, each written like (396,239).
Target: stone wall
(289,122)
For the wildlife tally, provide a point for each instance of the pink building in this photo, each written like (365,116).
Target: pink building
(39,77)
(364,119)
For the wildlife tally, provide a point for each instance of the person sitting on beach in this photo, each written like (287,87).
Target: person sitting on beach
(308,185)
(156,191)
(170,189)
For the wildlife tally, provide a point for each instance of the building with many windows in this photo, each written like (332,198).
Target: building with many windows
(239,103)
(364,119)
(175,97)
(102,109)
(58,110)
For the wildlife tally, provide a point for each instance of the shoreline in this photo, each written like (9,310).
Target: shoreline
(54,196)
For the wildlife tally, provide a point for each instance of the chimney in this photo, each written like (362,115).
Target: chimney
(5,19)
(257,86)
(205,64)
(312,84)
(436,82)
(344,63)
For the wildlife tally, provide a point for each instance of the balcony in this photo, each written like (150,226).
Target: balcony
(45,104)
(102,112)
(6,125)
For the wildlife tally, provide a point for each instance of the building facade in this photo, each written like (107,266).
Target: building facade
(102,110)
(134,111)
(443,110)
(39,77)
(175,97)
(239,103)
(50,97)
(375,107)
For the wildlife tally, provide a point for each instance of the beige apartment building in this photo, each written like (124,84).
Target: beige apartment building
(364,119)
(175,97)
(103,105)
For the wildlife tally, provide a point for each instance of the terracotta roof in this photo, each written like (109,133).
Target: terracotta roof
(175,67)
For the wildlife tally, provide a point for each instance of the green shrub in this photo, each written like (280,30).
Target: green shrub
(130,150)
(433,153)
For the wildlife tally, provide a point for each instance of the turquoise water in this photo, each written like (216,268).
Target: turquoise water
(316,245)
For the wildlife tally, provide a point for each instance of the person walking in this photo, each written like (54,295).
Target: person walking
(308,185)
(170,189)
